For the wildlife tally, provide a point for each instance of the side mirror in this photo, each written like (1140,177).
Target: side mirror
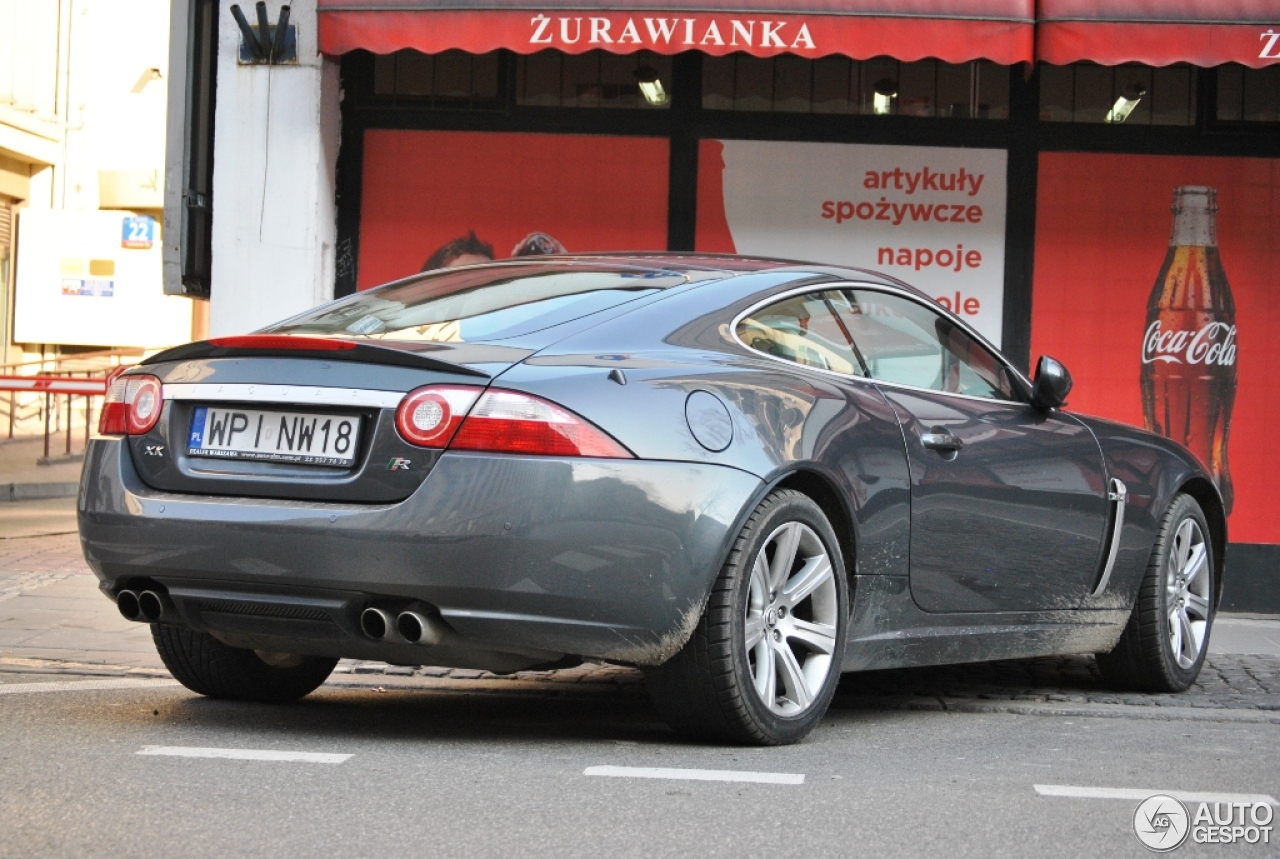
(1051,386)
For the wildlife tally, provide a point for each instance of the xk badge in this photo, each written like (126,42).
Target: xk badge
(154,450)
(398,463)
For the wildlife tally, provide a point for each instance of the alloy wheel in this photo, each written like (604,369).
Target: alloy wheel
(1187,591)
(791,619)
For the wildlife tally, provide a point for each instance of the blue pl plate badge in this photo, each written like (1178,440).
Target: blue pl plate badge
(197,428)
(138,231)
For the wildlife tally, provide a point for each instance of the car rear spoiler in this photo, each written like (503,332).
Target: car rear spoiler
(327,348)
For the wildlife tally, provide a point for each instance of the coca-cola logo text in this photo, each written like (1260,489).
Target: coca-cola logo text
(1215,343)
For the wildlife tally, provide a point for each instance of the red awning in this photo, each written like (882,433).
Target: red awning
(951,30)
(1159,32)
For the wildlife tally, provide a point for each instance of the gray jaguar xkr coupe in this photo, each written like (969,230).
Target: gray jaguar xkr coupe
(743,476)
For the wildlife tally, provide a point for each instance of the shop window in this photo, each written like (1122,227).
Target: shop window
(594,79)
(877,86)
(831,91)
(792,84)
(955,90)
(580,81)
(917,89)
(450,79)
(1248,95)
(1131,94)
(753,84)
(882,85)
(539,82)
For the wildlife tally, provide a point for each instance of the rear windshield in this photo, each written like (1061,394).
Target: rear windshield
(479,304)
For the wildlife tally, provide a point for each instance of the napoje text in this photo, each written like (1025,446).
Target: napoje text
(918,258)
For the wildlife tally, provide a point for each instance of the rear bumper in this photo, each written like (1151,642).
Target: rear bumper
(525,558)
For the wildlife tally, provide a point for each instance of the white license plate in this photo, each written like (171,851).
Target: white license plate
(305,438)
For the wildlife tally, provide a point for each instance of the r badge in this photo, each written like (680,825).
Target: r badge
(398,463)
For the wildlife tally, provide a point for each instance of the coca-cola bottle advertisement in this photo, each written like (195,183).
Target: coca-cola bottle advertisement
(1188,376)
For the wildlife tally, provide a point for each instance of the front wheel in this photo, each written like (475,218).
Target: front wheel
(205,665)
(764,661)
(1167,637)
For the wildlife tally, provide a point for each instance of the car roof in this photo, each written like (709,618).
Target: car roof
(700,263)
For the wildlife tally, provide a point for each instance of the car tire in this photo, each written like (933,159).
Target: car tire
(205,665)
(763,663)
(1166,639)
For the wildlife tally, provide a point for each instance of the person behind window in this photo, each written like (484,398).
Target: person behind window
(537,244)
(467,250)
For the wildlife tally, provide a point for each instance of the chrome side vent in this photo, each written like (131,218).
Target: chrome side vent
(1118,496)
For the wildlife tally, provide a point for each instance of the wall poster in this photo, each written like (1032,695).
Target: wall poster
(88,278)
(931,216)
(1153,284)
(438,198)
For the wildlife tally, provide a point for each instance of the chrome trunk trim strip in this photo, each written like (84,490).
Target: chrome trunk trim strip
(284,394)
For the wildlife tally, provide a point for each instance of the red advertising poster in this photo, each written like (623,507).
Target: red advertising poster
(1154,284)
(933,216)
(456,197)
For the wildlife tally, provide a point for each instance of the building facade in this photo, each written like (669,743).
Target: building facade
(82,127)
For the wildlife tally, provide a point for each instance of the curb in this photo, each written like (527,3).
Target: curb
(28,665)
(1024,708)
(848,704)
(38,491)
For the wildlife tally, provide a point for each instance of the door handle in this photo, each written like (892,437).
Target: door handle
(943,441)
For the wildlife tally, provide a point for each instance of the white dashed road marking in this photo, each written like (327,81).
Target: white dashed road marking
(85,685)
(696,775)
(1077,792)
(244,754)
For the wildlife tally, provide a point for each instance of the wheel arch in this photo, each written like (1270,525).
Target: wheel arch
(823,491)
(1206,495)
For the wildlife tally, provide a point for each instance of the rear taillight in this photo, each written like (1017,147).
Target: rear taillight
(510,422)
(462,417)
(132,405)
(428,417)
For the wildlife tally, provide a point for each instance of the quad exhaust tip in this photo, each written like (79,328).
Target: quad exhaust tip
(142,606)
(378,624)
(127,603)
(412,627)
(417,628)
(150,606)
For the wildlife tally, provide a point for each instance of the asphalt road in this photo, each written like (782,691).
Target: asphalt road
(105,772)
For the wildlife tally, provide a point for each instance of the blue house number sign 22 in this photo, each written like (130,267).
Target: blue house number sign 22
(138,232)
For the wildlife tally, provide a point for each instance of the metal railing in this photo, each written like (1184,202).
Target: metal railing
(41,394)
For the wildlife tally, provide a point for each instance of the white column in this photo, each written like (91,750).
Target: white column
(275,149)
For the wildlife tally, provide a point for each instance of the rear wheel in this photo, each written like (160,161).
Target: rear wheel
(763,663)
(1167,637)
(205,665)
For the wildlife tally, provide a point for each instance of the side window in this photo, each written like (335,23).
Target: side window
(804,329)
(909,344)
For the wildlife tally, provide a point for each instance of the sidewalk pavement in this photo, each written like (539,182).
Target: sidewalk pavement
(22,478)
(35,499)
(53,620)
